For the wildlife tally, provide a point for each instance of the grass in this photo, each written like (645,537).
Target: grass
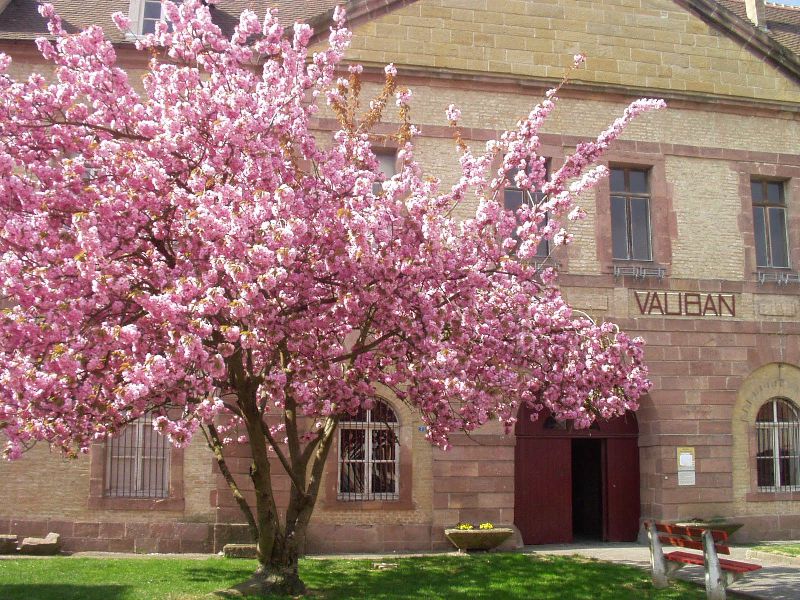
(784,549)
(433,577)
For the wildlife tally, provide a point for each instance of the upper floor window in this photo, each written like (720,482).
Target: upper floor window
(630,214)
(369,455)
(778,444)
(769,223)
(514,198)
(387,164)
(144,15)
(137,462)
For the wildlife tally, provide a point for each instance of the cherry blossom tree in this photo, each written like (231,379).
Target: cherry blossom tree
(197,251)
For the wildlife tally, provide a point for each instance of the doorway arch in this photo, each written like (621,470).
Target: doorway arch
(572,483)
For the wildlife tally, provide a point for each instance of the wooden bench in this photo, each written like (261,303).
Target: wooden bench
(720,573)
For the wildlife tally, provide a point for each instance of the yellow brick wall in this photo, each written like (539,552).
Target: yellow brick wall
(653,44)
(42,484)
(705,204)
(648,43)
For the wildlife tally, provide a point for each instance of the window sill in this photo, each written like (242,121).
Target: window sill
(143,504)
(370,505)
(772,497)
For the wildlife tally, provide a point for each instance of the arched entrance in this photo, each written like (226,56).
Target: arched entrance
(576,484)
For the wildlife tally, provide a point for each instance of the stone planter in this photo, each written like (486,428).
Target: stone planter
(726,526)
(478,539)
(8,544)
(239,550)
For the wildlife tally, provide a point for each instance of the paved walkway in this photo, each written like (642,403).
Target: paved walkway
(778,580)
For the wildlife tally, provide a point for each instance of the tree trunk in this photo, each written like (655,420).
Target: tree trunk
(277,572)
(278,548)
(274,578)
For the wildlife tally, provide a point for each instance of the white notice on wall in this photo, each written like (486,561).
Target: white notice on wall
(686,465)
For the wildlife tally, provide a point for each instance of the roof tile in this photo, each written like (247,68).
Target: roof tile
(783,21)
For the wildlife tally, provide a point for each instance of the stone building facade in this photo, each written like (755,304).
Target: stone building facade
(709,289)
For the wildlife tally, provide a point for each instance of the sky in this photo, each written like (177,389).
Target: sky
(789,2)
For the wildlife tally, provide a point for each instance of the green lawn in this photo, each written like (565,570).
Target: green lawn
(432,577)
(785,549)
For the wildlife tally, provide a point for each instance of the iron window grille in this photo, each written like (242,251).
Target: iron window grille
(639,272)
(630,215)
(369,453)
(778,441)
(137,462)
(779,277)
(514,198)
(769,223)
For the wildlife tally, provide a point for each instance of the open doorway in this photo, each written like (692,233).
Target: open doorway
(576,483)
(587,489)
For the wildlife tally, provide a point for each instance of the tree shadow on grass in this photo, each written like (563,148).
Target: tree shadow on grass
(220,571)
(67,591)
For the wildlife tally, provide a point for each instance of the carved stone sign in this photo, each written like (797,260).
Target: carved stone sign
(685,304)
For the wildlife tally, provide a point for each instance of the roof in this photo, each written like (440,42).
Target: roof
(783,22)
(21,18)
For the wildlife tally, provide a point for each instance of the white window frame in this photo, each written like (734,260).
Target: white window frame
(136,15)
(136,453)
(368,427)
(387,164)
(771,431)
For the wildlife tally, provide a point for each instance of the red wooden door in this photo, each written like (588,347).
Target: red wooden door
(543,490)
(622,489)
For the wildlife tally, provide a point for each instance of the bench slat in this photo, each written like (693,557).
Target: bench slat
(682,542)
(685,557)
(726,565)
(694,545)
(736,566)
(693,532)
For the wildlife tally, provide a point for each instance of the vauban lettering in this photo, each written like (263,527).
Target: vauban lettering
(686,304)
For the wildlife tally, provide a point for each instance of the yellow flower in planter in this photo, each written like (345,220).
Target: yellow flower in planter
(486,526)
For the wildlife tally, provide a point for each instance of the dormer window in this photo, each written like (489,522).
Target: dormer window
(144,15)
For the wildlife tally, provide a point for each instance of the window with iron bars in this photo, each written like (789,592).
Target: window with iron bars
(778,442)
(137,462)
(369,453)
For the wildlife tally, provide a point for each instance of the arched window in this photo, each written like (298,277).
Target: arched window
(778,439)
(369,455)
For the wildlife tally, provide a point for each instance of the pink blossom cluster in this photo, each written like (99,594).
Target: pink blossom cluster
(196,251)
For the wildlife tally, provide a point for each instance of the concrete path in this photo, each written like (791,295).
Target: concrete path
(778,580)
